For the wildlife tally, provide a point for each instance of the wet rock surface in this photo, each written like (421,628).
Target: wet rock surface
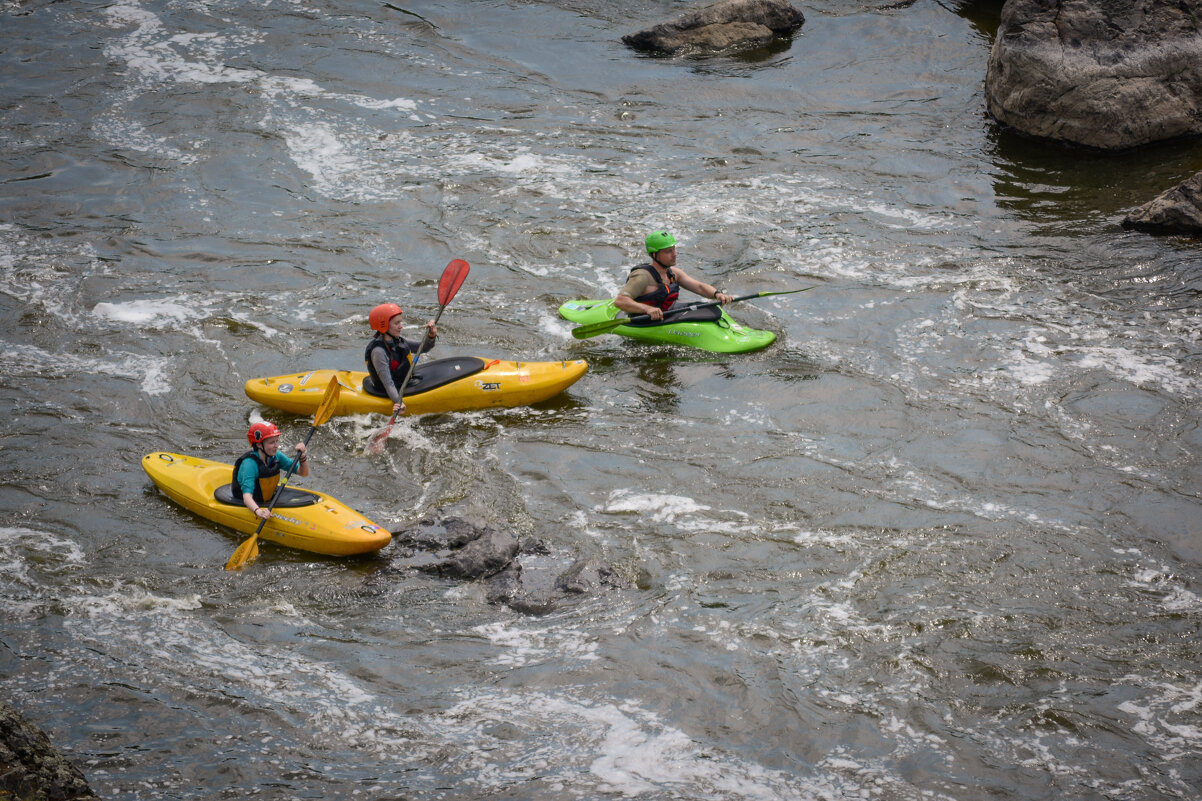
(31,767)
(1108,74)
(1175,211)
(725,26)
(528,576)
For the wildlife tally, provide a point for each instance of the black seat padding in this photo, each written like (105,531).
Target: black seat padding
(706,314)
(431,375)
(288,497)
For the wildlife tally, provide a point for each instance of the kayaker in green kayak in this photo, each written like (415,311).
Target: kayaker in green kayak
(388,353)
(652,288)
(257,472)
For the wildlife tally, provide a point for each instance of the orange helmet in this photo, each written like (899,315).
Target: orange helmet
(382,315)
(261,431)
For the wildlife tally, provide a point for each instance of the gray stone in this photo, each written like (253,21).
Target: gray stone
(1175,211)
(721,27)
(530,577)
(1109,74)
(31,767)
(457,548)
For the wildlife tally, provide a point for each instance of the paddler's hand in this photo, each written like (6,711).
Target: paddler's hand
(655,313)
(262,513)
(433,329)
(723,297)
(398,408)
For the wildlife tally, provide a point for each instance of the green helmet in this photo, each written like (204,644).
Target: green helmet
(659,240)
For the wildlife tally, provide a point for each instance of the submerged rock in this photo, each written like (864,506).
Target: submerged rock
(457,548)
(537,586)
(723,26)
(1108,74)
(1175,211)
(31,767)
(528,577)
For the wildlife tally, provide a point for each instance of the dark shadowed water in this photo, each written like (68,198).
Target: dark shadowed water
(943,540)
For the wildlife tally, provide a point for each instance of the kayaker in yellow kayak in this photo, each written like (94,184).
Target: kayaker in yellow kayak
(257,472)
(651,289)
(388,353)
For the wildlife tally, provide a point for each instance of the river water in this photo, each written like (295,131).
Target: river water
(940,541)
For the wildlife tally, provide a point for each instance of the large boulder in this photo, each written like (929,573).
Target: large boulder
(1109,74)
(1176,211)
(31,767)
(723,26)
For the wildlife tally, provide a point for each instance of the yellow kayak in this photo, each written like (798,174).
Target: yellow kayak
(304,519)
(458,384)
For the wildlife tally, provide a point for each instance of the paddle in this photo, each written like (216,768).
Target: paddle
(248,551)
(593,329)
(452,278)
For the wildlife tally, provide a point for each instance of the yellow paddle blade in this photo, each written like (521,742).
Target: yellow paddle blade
(247,552)
(329,402)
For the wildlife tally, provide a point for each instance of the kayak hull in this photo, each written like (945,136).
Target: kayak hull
(723,335)
(500,384)
(326,526)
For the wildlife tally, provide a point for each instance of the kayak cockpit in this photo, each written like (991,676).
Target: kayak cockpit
(432,375)
(289,497)
(707,314)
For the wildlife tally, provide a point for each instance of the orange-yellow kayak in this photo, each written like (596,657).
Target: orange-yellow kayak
(457,384)
(304,519)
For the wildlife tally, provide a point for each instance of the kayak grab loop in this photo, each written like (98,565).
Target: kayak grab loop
(166,457)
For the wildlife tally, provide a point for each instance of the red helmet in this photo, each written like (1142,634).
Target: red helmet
(261,431)
(382,315)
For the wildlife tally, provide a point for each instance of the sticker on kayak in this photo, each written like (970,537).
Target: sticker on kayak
(488,386)
(680,333)
(284,388)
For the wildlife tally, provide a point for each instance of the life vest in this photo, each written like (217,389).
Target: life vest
(664,295)
(399,356)
(269,476)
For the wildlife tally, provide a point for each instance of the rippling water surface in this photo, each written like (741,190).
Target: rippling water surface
(942,540)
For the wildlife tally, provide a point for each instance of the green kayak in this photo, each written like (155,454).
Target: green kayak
(708,327)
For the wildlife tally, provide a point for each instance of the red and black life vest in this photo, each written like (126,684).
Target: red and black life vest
(664,295)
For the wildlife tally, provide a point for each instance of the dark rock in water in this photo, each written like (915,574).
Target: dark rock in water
(31,767)
(587,576)
(540,584)
(1108,74)
(459,548)
(489,553)
(528,577)
(723,26)
(1176,211)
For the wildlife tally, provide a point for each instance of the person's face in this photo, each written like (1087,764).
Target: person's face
(667,256)
(271,445)
(395,325)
